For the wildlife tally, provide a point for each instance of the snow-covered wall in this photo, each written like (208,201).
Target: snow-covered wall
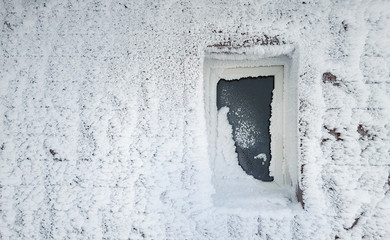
(102,121)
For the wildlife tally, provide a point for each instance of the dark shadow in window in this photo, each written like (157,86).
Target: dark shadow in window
(249,102)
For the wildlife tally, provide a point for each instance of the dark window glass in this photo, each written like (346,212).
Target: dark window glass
(249,102)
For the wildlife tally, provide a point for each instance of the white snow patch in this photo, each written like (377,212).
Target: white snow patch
(262,157)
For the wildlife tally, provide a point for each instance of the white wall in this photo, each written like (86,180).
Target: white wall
(103,134)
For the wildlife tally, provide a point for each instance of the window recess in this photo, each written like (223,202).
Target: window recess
(251,113)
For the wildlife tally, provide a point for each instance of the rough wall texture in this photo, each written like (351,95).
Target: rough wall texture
(102,131)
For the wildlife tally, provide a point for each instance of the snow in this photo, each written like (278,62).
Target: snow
(103,130)
(261,156)
(237,190)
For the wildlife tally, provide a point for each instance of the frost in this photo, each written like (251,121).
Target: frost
(245,134)
(261,157)
(103,132)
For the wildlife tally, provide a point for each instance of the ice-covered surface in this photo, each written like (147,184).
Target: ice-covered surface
(103,133)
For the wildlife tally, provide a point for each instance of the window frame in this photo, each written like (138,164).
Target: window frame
(233,70)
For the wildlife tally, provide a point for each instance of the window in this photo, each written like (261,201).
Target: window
(249,103)
(250,97)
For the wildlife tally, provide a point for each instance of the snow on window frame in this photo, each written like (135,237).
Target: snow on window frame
(284,130)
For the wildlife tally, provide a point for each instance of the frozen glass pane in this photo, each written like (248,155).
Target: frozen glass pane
(249,102)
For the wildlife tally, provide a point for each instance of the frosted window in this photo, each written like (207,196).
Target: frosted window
(249,103)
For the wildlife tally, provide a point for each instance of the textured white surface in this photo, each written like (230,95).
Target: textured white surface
(102,127)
